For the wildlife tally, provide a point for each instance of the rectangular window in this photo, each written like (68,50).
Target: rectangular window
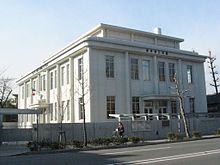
(148,107)
(67,73)
(40,83)
(80,68)
(34,86)
(43,83)
(28,90)
(110,104)
(134,69)
(161,69)
(68,110)
(55,111)
(171,72)
(22,92)
(62,75)
(146,69)
(62,109)
(51,111)
(80,108)
(109,62)
(192,105)
(189,74)
(51,80)
(162,107)
(135,105)
(173,106)
(55,78)
(33,90)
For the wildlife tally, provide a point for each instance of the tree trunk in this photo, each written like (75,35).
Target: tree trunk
(84,127)
(186,129)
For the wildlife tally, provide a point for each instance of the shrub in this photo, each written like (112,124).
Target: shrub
(120,140)
(76,143)
(102,141)
(196,135)
(108,140)
(136,139)
(56,145)
(179,136)
(32,145)
(97,141)
(175,136)
(218,131)
(171,136)
(44,143)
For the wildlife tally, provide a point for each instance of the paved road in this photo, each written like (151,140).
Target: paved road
(201,152)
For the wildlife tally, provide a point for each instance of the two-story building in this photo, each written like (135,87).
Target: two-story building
(118,71)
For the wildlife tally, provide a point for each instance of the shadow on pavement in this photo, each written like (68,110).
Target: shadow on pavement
(69,158)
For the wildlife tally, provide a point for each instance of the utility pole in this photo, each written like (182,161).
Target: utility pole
(213,72)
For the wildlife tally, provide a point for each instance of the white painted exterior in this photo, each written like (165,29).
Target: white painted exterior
(123,44)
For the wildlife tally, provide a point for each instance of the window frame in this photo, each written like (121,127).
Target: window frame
(80,108)
(80,68)
(28,85)
(173,107)
(55,79)
(172,72)
(22,92)
(68,110)
(134,68)
(189,75)
(67,73)
(161,71)
(51,80)
(62,110)
(192,105)
(135,105)
(55,111)
(51,111)
(146,69)
(109,66)
(62,75)
(110,105)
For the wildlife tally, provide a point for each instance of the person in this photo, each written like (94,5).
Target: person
(119,131)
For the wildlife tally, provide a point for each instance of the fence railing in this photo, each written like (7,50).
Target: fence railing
(163,116)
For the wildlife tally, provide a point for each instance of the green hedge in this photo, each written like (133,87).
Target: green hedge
(104,141)
(136,139)
(196,135)
(175,136)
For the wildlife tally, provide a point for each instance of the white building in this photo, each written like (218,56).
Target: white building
(124,71)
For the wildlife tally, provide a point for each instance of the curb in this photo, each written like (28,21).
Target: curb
(165,141)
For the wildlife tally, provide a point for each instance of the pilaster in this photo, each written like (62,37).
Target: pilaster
(127,84)
(72,114)
(155,75)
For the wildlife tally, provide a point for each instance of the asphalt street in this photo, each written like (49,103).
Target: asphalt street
(200,152)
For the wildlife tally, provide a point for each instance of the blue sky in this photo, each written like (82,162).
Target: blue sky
(31,31)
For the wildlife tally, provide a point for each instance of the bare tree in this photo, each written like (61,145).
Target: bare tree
(180,96)
(83,92)
(61,108)
(213,72)
(5,90)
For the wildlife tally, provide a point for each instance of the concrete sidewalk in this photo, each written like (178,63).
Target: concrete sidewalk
(13,149)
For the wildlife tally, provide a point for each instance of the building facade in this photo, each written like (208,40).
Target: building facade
(213,103)
(115,70)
